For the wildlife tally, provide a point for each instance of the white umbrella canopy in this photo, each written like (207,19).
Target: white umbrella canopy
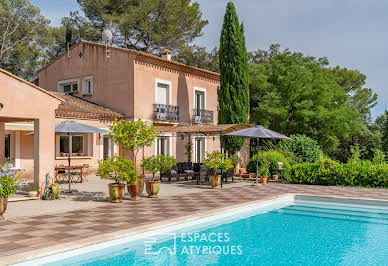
(258,132)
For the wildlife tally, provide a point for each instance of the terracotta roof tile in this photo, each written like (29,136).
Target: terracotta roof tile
(77,107)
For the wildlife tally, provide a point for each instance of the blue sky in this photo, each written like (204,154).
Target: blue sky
(350,33)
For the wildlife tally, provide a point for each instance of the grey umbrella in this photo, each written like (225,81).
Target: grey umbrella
(258,132)
(71,128)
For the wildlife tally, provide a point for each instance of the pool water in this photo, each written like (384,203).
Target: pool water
(298,233)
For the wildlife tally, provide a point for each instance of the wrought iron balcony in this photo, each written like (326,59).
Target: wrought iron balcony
(165,112)
(201,116)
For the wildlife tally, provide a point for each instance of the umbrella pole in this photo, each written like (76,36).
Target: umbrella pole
(68,135)
(257,161)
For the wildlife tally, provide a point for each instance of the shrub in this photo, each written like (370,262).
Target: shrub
(264,170)
(151,165)
(119,169)
(217,160)
(329,172)
(271,158)
(161,163)
(379,157)
(8,182)
(305,149)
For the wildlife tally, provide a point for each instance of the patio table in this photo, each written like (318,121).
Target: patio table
(73,167)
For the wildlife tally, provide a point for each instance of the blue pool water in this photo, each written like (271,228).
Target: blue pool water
(303,233)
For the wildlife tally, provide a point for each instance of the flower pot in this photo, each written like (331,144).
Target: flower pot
(215,181)
(33,194)
(153,188)
(264,179)
(134,190)
(241,171)
(3,206)
(275,177)
(116,192)
(140,180)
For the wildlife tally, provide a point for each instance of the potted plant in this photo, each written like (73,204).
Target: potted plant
(8,185)
(161,163)
(120,170)
(215,161)
(34,192)
(264,173)
(133,136)
(235,160)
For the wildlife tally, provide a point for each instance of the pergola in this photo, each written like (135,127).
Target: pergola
(204,130)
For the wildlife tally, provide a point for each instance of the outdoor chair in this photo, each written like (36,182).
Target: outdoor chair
(188,169)
(203,175)
(172,173)
(181,171)
(76,176)
(85,172)
(60,174)
(229,173)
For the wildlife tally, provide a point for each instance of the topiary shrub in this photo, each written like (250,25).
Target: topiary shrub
(305,149)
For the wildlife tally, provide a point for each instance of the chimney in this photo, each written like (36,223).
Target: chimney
(166,54)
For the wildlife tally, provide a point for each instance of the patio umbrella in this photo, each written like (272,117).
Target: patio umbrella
(68,128)
(258,132)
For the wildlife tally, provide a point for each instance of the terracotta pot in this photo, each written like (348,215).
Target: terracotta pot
(153,188)
(275,177)
(3,206)
(140,180)
(264,179)
(33,194)
(133,190)
(241,171)
(215,181)
(116,192)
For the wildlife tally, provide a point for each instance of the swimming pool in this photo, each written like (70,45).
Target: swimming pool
(296,230)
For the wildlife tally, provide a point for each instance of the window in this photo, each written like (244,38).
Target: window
(73,144)
(163,146)
(7,146)
(199,149)
(68,86)
(162,92)
(87,85)
(199,100)
(108,147)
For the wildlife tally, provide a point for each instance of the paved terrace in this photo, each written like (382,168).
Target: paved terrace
(31,237)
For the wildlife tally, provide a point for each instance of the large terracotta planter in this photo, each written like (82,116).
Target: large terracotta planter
(264,179)
(116,192)
(215,181)
(153,188)
(32,194)
(3,206)
(275,177)
(140,180)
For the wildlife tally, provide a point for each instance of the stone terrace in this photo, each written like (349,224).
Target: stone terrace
(30,237)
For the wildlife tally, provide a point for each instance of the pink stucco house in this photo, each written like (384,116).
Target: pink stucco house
(99,83)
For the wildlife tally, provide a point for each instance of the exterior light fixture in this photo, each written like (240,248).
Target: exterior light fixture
(1,106)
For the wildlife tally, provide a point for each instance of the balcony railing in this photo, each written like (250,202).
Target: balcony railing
(165,112)
(201,116)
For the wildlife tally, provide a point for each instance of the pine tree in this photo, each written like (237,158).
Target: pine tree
(233,95)
(385,135)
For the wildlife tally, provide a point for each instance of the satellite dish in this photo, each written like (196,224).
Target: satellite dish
(107,37)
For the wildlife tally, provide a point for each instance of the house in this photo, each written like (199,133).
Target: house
(139,86)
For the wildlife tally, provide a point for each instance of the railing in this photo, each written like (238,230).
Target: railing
(166,112)
(201,116)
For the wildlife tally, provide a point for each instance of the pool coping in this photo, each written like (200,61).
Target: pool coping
(90,241)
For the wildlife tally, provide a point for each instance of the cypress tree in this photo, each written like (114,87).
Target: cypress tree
(233,95)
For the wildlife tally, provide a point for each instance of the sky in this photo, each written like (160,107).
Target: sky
(350,33)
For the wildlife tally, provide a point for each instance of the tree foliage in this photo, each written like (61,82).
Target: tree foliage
(233,95)
(23,37)
(118,168)
(296,94)
(198,56)
(147,25)
(385,134)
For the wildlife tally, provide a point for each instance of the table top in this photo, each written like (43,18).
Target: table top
(71,167)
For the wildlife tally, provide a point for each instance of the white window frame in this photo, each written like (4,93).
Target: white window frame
(195,98)
(86,143)
(195,148)
(169,136)
(62,83)
(84,80)
(165,82)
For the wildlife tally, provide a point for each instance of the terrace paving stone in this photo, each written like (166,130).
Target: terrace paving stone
(66,229)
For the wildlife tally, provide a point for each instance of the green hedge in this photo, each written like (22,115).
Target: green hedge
(271,157)
(329,172)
